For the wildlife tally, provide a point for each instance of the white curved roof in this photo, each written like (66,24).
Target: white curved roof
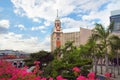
(115,12)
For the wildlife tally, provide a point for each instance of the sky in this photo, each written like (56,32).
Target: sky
(26,25)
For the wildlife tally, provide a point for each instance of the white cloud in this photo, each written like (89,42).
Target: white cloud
(114,5)
(103,15)
(17,42)
(42,28)
(104,19)
(92,4)
(20,26)
(38,28)
(47,23)
(36,20)
(71,23)
(46,9)
(4,23)
(4,26)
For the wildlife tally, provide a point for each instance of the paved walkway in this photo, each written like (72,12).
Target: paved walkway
(114,77)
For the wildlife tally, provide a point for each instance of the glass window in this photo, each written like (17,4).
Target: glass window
(117,26)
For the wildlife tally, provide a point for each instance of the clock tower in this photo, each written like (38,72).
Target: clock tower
(56,37)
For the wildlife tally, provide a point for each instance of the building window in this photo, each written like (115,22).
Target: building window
(117,26)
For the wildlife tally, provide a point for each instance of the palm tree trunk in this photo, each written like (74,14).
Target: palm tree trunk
(117,56)
(106,61)
(101,65)
(96,65)
(112,64)
(93,65)
(114,70)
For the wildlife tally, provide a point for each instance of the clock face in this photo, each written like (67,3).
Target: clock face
(58,28)
(57,24)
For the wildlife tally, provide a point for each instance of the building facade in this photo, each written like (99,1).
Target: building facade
(115,17)
(59,38)
(71,36)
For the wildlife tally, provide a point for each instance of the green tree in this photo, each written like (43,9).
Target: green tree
(103,38)
(43,56)
(95,51)
(115,48)
(69,57)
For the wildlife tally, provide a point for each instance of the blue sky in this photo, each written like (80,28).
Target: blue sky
(27,24)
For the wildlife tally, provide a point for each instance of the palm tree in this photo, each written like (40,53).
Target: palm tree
(103,38)
(100,55)
(95,50)
(115,48)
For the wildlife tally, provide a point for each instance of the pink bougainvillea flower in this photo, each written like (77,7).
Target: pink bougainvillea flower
(97,79)
(9,72)
(44,78)
(60,78)
(107,74)
(36,62)
(25,67)
(51,78)
(76,69)
(91,75)
(81,78)
(37,78)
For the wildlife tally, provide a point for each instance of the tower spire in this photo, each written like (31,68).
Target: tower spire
(57,17)
(57,13)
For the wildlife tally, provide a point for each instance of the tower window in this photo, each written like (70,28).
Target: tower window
(58,34)
(58,38)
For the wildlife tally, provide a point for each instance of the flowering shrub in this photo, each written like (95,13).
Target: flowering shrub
(76,69)
(50,78)
(9,72)
(81,78)
(107,74)
(91,75)
(60,78)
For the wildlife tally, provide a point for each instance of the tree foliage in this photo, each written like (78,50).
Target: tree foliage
(65,59)
(105,39)
(43,56)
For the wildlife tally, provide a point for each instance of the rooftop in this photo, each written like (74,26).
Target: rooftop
(115,12)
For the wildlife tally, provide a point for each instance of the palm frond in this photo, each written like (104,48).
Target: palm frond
(115,41)
(111,27)
(100,30)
